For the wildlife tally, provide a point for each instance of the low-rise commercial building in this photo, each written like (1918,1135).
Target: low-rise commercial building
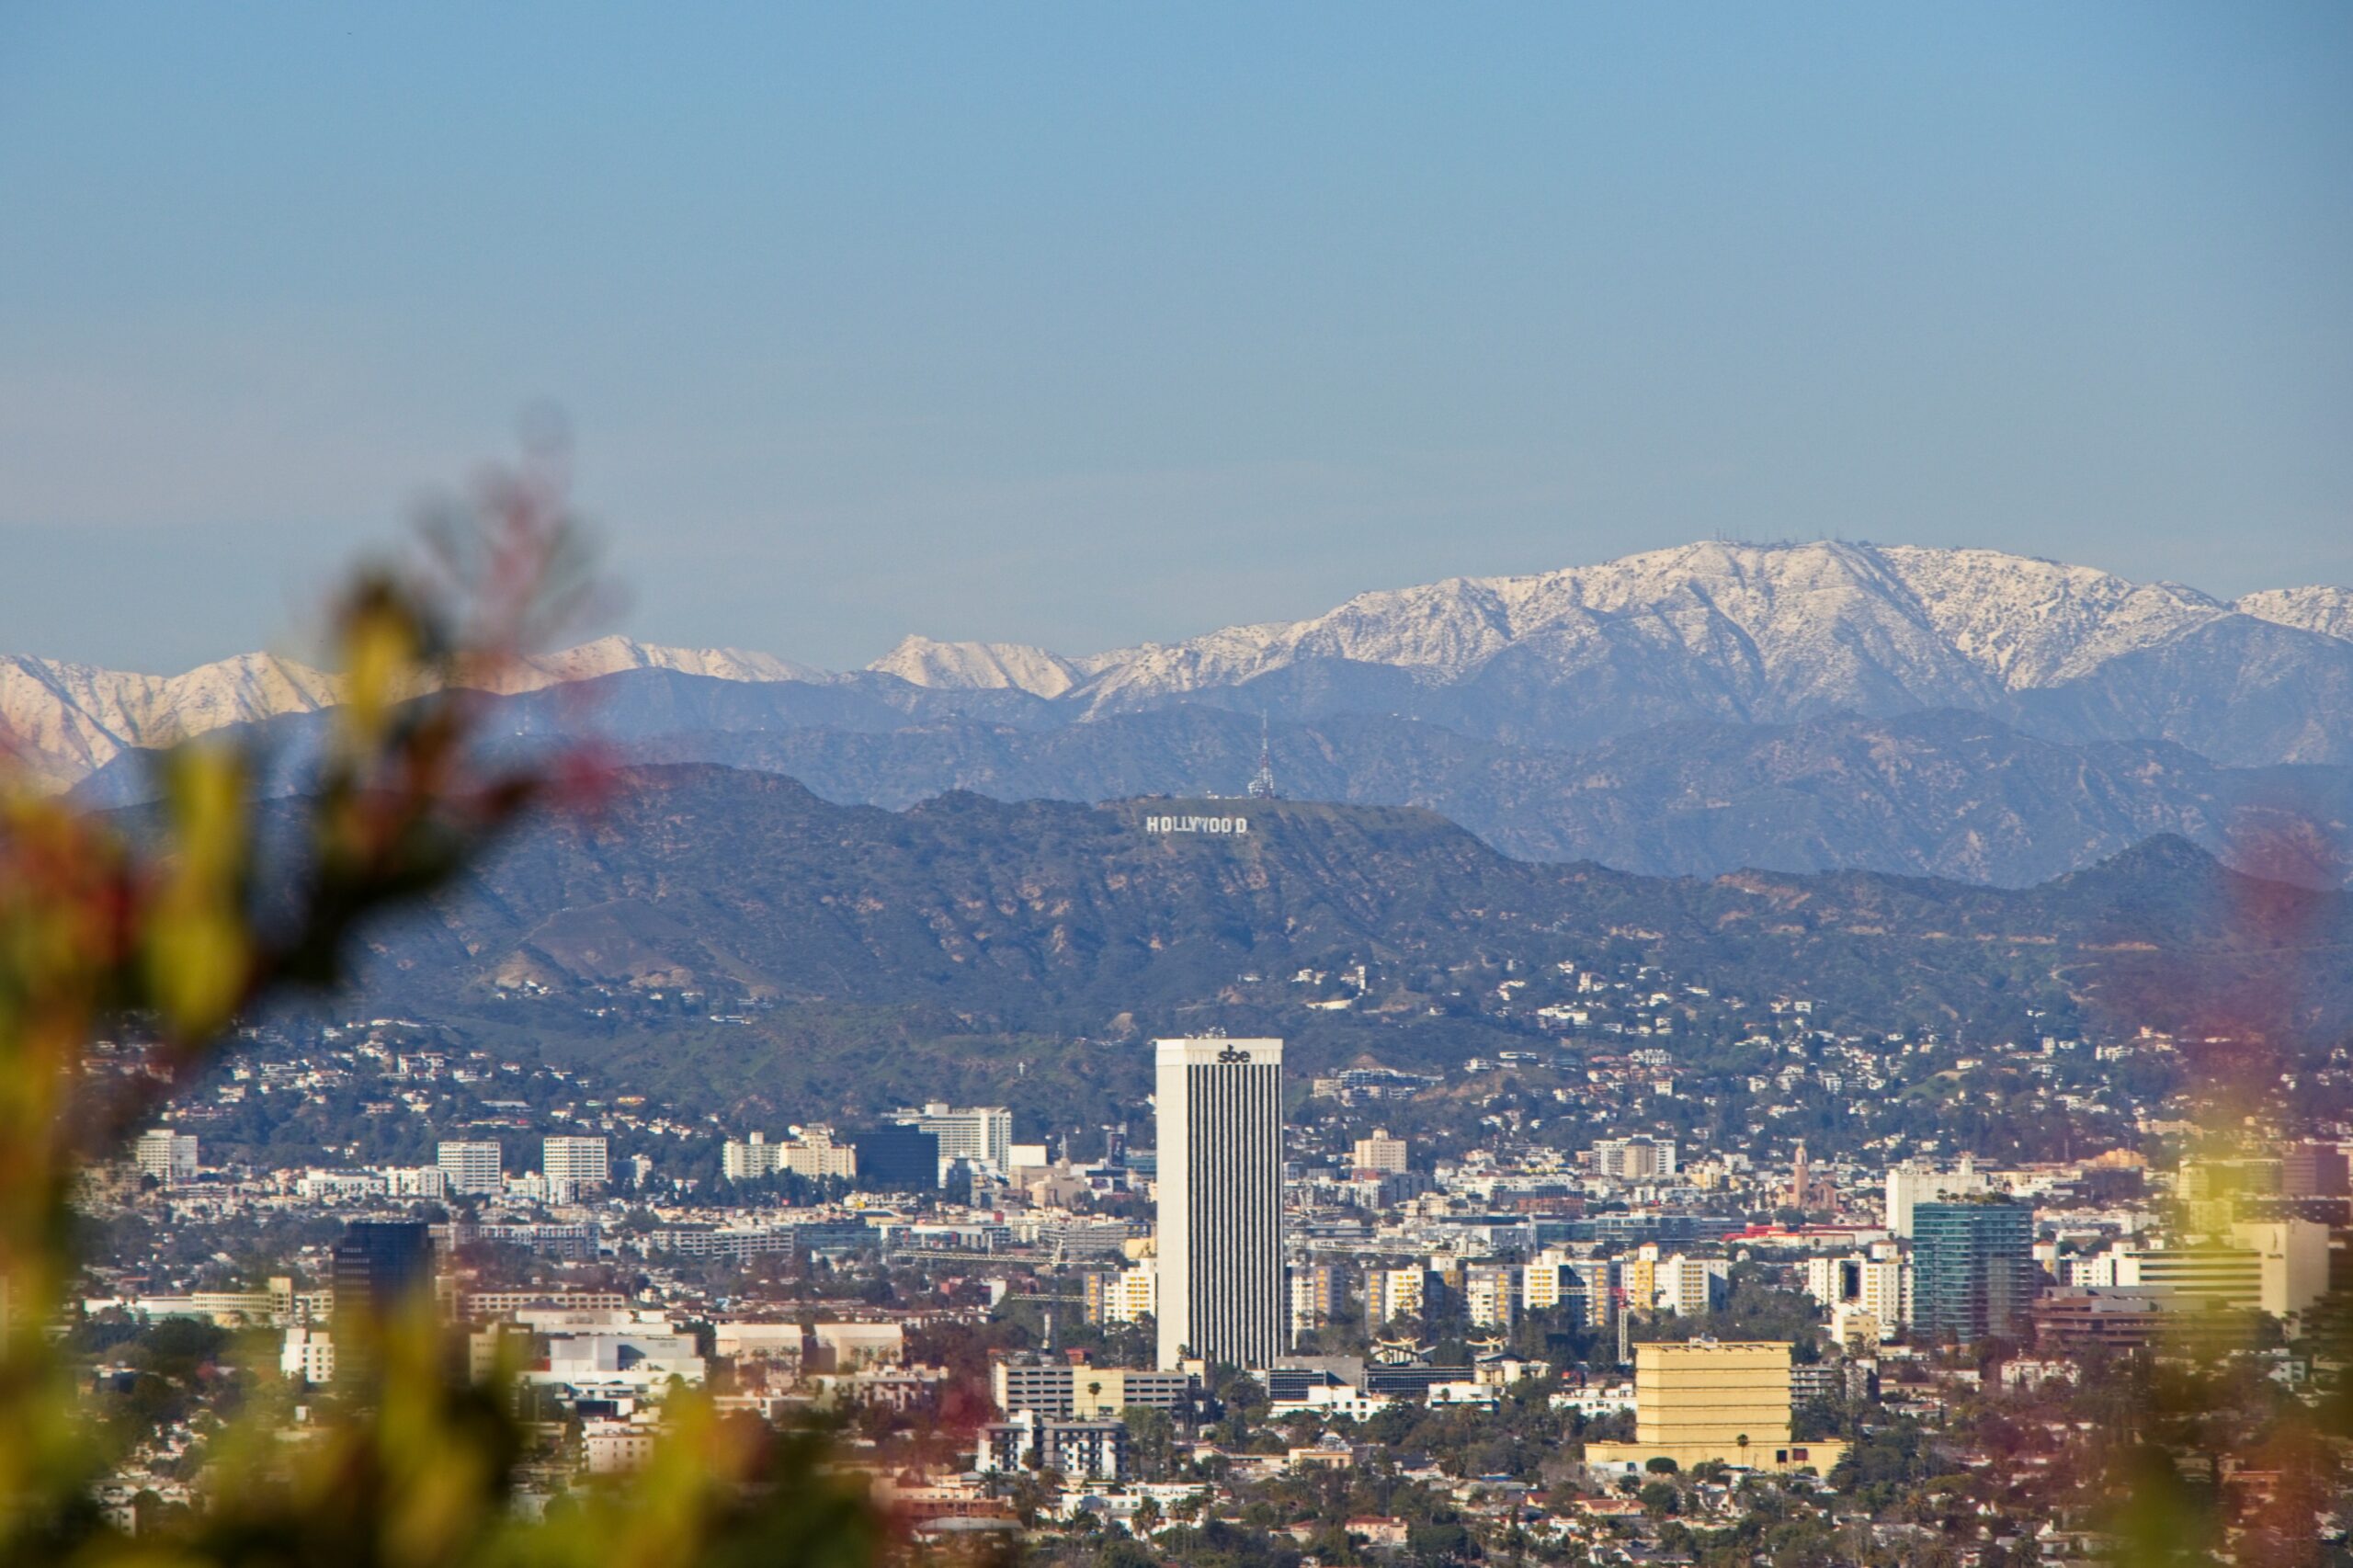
(1064,1392)
(1705,1402)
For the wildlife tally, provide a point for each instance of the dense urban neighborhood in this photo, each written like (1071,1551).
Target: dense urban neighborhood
(1692,1278)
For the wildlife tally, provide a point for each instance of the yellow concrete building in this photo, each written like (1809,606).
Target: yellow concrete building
(1127,1296)
(1728,1402)
(1638,1271)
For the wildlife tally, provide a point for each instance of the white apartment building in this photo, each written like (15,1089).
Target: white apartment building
(1634,1159)
(1093,1451)
(1872,1283)
(1134,1295)
(1378,1152)
(1335,1399)
(1912,1184)
(1596,1399)
(574,1165)
(2096,1269)
(748,1159)
(472,1167)
(308,1354)
(1490,1294)
(1688,1287)
(810,1152)
(170,1157)
(1218,1104)
(327,1185)
(983,1134)
(416,1181)
(1557,1276)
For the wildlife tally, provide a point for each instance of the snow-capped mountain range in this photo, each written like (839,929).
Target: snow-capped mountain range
(62,721)
(1626,710)
(1718,631)
(1838,622)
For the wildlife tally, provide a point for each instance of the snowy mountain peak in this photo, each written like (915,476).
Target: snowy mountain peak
(979,666)
(2328,611)
(612,656)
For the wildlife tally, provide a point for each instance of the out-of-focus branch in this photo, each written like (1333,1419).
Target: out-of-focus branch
(169,935)
(175,933)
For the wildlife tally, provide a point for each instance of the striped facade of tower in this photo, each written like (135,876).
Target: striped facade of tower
(1219,1105)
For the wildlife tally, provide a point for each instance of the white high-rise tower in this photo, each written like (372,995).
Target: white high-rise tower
(1220,1112)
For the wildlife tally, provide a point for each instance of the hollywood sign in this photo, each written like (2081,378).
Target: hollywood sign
(1197,825)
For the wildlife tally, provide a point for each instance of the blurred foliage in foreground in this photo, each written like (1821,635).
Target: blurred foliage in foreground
(409,1463)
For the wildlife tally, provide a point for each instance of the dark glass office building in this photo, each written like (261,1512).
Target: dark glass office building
(381,1262)
(897,1159)
(1973,1270)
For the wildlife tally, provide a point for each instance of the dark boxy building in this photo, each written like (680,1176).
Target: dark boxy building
(897,1159)
(381,1262)
(1973,1270)
(2312,1170)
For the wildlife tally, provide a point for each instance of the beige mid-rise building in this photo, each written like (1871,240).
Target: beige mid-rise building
(1707,1401)
(1557,1276)
(1637,1272)
(1379,1153)
(1319,1294)
(1393,1294)
(1126,1295)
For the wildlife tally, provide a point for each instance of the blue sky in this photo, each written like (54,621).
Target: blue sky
(1086,324)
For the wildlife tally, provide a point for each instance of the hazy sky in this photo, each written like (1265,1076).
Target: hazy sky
(1090,324)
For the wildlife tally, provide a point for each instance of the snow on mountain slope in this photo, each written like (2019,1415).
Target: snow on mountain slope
(610,656)
(979,666)
(2032,623)
(2328,611)
(1716,631)
(61,722)
(1823,622)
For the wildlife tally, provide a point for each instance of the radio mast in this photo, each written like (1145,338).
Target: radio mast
(1262,786)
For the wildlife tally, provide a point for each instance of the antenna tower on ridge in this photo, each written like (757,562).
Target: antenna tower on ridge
(1262,786)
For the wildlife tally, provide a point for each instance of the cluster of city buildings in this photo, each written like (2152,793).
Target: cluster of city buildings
(1353,1269)
(572,1167)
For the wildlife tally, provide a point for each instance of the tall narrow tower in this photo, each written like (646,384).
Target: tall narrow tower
(1262,784)
(1221,1209)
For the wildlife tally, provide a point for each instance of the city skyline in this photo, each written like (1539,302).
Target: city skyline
(1222,787)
